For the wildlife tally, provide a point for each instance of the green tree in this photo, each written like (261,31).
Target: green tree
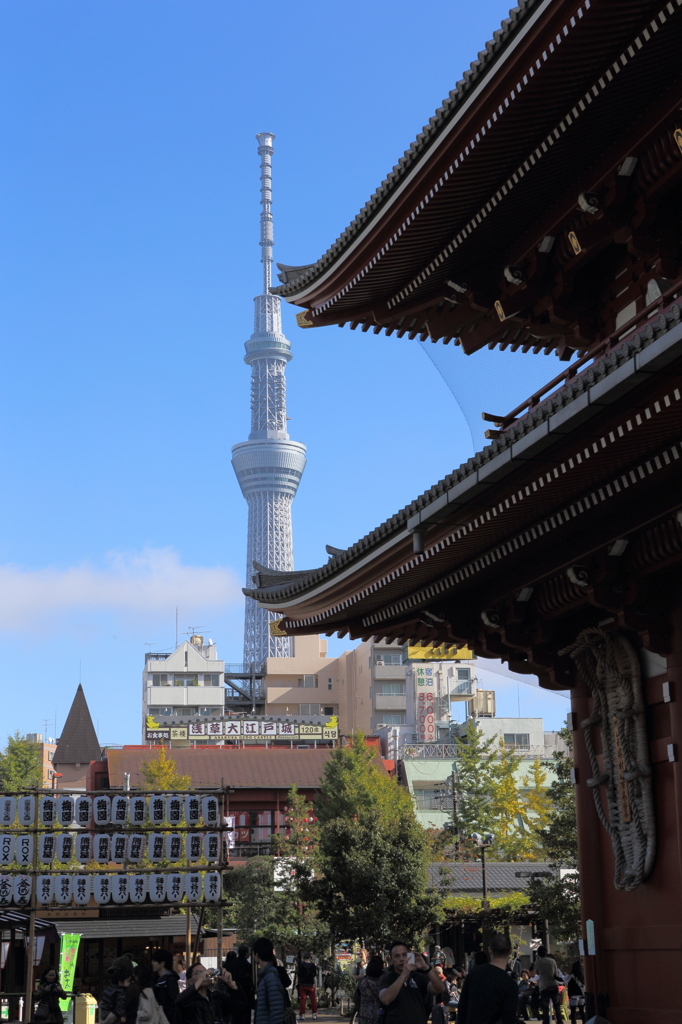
(161,772)
(296,859)
(490,797)
(557,899)
(373,853)
(21,764)
(519,808)
(473,810)
(559,833)
(268,896)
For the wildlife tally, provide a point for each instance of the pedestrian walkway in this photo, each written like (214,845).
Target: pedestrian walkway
(328,1016)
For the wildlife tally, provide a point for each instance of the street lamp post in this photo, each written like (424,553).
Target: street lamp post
(483,842)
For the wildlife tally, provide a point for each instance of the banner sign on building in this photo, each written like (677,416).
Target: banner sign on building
(426,703)
(437,653)
(241,728)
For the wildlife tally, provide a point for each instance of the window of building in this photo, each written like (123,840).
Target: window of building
(430,799)
(388,658)
(328,711)
(330,684)
(463,673)
(308,709)
(394,689)
(185,711)
(210,679)
(210,711)
(160,679)
(309,681)
(517,740)
(186,680)
(160,711)
(50,755)
(392,719)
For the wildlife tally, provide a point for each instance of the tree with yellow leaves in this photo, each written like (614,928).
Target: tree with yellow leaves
(162,773)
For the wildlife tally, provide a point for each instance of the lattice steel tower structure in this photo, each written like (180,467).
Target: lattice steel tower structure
(269,465)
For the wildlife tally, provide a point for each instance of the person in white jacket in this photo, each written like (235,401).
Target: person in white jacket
(148,1009)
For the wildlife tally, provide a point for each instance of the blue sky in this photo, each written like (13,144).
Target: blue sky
(129,222)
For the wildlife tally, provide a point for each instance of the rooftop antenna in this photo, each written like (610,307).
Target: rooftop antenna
(193,630)
(176,625)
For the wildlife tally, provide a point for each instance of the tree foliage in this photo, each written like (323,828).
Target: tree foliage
(557,900)
(161,772)
(269,895)
(490,798)
(21,764)
(373,853)
(473,803)
(502,909)
(559,833)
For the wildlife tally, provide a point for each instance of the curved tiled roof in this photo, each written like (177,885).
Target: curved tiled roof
(478,69)
(600,368)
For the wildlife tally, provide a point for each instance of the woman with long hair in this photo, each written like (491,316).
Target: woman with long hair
(367,992)
(576,992)
(48,994)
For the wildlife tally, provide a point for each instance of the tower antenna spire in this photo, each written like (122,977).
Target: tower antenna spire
(267,239)
(269,465)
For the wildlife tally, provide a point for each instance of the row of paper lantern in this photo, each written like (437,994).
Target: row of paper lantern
(105,849)
(104,810)
(78,889)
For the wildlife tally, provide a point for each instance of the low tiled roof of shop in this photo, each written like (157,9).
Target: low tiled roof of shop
(503,876)
(128,927)
(260,768)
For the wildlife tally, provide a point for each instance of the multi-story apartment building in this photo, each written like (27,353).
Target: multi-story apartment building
(48,745)
(189,682)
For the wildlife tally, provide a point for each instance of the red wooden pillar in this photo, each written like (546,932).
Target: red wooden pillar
(589,839)
(638,934)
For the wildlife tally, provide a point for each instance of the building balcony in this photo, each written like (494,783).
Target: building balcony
(389,672)
(390,702)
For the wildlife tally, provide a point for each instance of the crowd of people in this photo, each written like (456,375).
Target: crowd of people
(494,988)
(403,988)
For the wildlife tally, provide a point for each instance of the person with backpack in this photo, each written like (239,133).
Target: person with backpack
(307,976)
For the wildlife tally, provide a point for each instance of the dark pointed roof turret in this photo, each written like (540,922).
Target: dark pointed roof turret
(78,743)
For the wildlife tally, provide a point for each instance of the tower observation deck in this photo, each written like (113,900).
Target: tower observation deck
(269,465)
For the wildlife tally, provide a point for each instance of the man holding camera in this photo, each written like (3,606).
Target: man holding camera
(209,997)
(406,987)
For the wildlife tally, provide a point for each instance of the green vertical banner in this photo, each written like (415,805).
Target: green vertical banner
(67,965)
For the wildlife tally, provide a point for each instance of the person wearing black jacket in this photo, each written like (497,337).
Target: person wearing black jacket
(166,988)
(208,1000)
(242,972)
(489,994)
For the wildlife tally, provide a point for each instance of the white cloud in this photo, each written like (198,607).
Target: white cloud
(144,583)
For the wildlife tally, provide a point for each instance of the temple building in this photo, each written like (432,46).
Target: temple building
(540,209)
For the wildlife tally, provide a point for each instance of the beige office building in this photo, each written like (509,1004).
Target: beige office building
(364,687)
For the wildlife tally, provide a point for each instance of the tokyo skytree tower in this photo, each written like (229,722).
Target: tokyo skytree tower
(269,466)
